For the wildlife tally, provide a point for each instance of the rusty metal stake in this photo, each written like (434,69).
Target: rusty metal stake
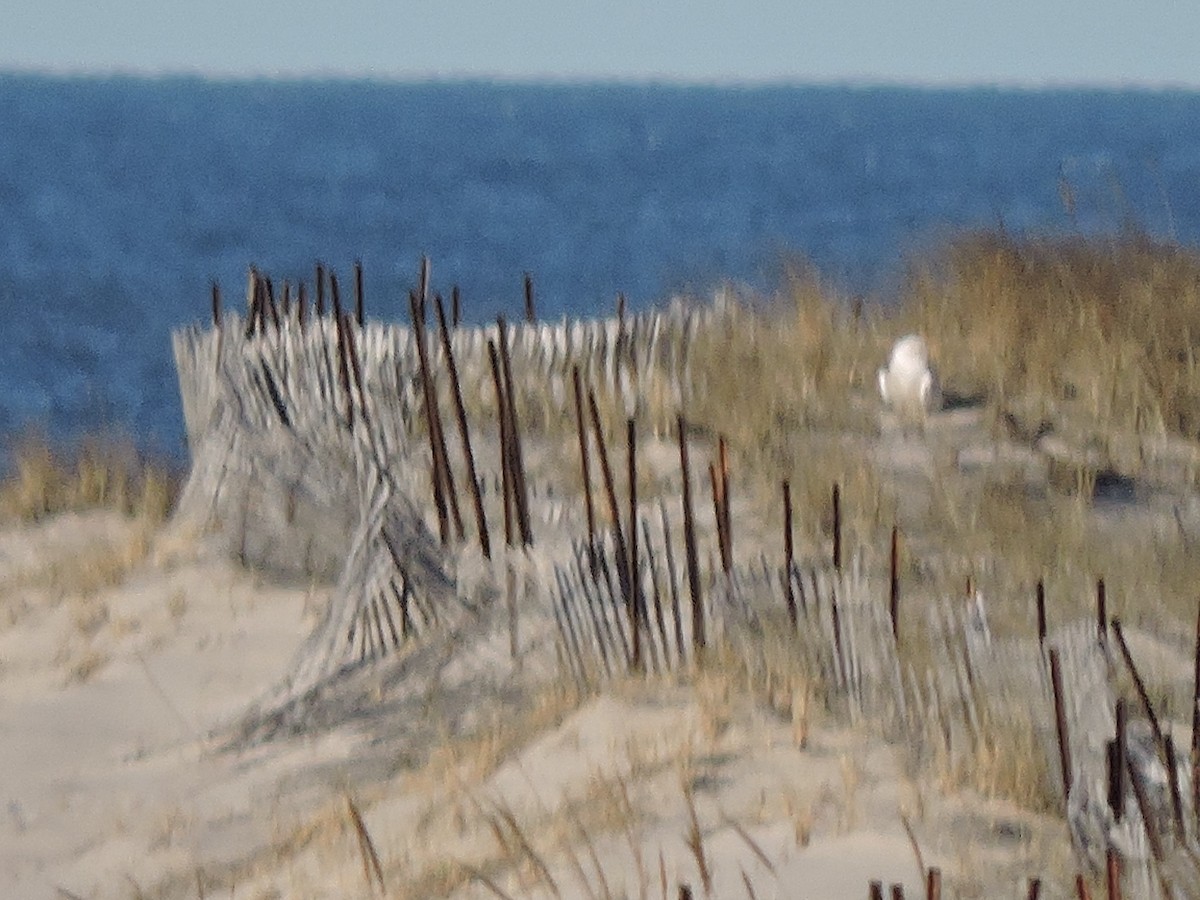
(894,584)
(1173,783)
(336,296)
(502,417)
(837,528)
(789,592)
(320,276)
(933,884)
(1195,755)
(356,371)
(1041,611)
(344,370)
(253,290)
(520,493)
(449,490)
(1139,794)
(439,481)
(1116,764)
(423,280)
(271,303)
(1113,871)
(216,304)
(464,432)
(585,468)
(1060,720)
(359,312)
(727,520)
(613,508)
(719,516)
(1140,687)
(530,313)
(634,608)
(689,539)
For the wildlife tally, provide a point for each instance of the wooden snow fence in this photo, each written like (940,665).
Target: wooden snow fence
(951,708)
(311,458)
(309,451)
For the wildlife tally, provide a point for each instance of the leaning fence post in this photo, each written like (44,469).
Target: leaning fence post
(689,540)
(1060,720)
(1040,599)
(344,370)
(439,482)
(530,314)
(1196,727)
(216,304)
(505,468)
(1173,784)
(520,493)
(1112,861)
(1116,765)
(460,412)
(611,493)
(320,301)
(586,468)
(789,591)
(837,527)
(719,516)
(727,521)
(271,305)
(1140,687)
(635,594)
(894,584)
(359,313)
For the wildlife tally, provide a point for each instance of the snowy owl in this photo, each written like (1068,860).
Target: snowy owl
(908,383)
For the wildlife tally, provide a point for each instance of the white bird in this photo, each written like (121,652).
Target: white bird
(908,383)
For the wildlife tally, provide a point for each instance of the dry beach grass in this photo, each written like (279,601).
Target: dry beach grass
(1069,454)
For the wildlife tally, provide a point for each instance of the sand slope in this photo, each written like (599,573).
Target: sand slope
(112,786)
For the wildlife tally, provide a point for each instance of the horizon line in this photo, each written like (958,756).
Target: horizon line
(861,81)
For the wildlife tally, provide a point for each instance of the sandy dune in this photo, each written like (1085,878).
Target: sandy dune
(123,653)
(113,787)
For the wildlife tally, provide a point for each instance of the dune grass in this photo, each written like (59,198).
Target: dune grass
(1086,342)
(1093,333)
(1101,330)
(100,472)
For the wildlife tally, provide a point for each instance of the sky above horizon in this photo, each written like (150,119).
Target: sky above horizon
(919,41)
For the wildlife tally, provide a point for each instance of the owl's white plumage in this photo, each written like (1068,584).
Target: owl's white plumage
(908,383)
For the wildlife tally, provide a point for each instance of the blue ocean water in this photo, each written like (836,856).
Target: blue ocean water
(120,198)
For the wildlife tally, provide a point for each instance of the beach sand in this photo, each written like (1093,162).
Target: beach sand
(128,650)
(112,787)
